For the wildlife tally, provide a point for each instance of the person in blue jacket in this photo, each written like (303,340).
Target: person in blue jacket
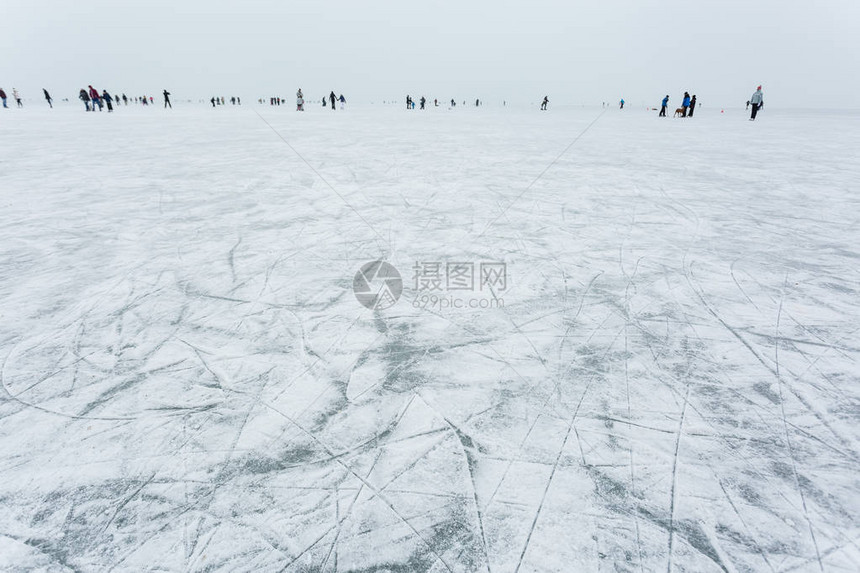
(663,106)
(686,104)
(108,100)
(622,103)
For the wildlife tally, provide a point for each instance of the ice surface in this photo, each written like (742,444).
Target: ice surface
(189,384)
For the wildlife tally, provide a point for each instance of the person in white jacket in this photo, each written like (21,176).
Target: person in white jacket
(756,101)
(17,97)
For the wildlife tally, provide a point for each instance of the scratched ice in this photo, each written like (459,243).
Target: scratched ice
(189,383)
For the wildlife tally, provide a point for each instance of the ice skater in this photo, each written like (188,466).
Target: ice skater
(544,103)
(333,99)
(663,106)
(95,99)
(167,103)
(3,97)
(108,100)
(48,98)
(692,105)
(17,97)
(757,102)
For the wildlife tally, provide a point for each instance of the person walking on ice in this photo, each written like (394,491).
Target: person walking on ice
(167,103)
(95,98)
(108,100)
(3,97)
(17,97)
(544,103)
(663,106)
(622,103)
(692,105)
(300,100)
(342,101)
(333,99)
(48,98)
(685,105)
(757,102)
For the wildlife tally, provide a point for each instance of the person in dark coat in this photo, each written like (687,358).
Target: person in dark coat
(84,97)
(692,105)
(48,98)
(3,97)
(544,103)
(333,99)
(167,103)
(108,100)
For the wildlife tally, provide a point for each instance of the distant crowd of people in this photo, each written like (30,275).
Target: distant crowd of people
(410,103)
(93,99)
(688,106)
(234,100)
(15,95)
(333,99)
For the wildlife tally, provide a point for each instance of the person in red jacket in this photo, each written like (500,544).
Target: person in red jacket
(95,97)
(3,97)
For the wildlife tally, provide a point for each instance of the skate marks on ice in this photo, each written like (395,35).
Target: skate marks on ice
(189,384)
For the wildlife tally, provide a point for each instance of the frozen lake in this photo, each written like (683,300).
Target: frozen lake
(653,368)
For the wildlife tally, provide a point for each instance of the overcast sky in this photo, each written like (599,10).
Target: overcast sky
(804,53)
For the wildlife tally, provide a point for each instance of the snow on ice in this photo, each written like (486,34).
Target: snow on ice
(668,380)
